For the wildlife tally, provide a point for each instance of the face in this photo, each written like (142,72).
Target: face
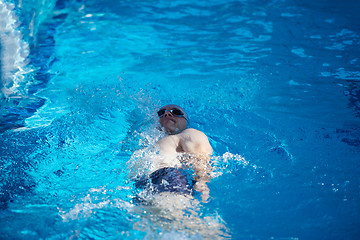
(171,123)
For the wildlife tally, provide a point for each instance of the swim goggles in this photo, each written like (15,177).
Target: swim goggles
(176,112)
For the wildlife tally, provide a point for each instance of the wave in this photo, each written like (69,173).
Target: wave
(24,28)
(14,51)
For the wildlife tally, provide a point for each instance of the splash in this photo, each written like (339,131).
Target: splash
(14,51)
(97,198)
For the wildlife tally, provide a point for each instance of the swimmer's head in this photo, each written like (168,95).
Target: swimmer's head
(173,118)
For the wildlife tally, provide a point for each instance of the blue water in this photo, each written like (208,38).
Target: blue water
(274,84)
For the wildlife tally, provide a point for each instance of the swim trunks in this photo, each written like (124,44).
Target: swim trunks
(167,179)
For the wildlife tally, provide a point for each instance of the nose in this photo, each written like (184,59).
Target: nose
(167,114)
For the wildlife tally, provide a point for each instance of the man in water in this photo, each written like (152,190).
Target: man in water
(182,148)
(187,146)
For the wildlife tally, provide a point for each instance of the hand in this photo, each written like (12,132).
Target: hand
(202,187)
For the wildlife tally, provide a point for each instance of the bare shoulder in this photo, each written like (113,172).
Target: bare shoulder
(192,132)
(193,140)
(171,141)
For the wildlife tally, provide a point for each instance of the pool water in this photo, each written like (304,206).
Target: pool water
(275,85)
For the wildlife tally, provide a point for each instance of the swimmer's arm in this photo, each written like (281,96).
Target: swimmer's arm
(196,142)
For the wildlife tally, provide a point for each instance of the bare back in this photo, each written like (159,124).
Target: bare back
(191,141)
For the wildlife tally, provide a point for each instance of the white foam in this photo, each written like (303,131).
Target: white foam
(14,51)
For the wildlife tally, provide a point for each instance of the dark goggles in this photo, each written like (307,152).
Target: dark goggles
(176,112)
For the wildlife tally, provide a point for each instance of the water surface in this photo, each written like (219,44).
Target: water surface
(274,85)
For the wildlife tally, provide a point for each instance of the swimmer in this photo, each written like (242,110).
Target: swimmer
(182,146)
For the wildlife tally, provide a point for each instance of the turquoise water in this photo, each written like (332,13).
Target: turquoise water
(274,85)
